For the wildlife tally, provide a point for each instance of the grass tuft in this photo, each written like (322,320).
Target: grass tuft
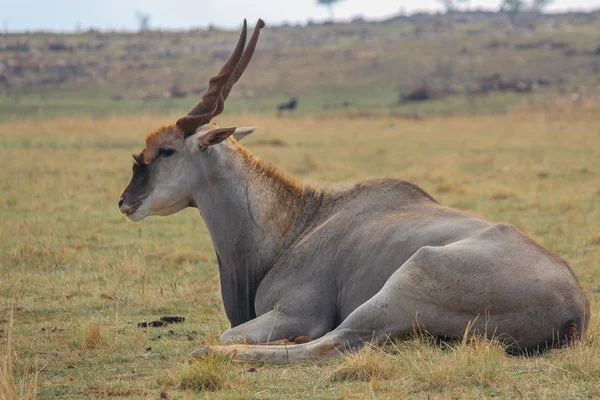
(477,363)
(207,374)
(580,362)
(9,389)
(7,384)
(428,366)
(368,364)
(93,336)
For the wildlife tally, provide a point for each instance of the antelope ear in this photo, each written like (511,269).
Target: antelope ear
(213,137)
(242,132)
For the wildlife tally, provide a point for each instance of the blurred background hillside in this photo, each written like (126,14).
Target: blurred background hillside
(458,60)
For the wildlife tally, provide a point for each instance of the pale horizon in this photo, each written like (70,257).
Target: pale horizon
(70,15)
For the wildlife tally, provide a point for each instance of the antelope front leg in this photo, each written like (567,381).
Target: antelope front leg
(326,347)
(273,326)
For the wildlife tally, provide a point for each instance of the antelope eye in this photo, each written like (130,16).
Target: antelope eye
(165,152)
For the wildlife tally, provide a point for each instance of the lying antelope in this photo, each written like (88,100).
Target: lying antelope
(344,267)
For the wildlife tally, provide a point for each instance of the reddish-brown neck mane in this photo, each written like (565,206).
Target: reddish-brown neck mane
(287,185)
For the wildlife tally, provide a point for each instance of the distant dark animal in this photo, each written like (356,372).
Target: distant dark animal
(425,93)
(290,105)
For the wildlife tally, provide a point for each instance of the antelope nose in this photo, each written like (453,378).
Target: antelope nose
(124,207)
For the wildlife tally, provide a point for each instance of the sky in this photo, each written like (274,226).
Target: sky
(66,15)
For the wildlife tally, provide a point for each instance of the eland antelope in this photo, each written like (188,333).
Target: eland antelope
(344,267)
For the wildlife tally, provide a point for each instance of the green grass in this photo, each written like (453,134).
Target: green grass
(74,102)
(81,276)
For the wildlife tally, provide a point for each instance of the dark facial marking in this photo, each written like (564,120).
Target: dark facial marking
(138,187)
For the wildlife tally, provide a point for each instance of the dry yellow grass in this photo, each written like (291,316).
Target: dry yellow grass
(93,337)
(26,388)
(368,364)
(208,374)
(7,385)
(67,257)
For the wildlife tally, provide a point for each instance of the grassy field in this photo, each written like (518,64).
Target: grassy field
(76,277)
(90,102)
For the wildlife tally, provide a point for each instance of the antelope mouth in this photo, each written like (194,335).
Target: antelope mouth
(134,207)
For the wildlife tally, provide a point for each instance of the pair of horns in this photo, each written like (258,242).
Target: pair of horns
(219,86)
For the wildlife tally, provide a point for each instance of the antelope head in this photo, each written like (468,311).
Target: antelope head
(180,157)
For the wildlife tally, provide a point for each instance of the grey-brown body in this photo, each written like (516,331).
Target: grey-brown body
(344,267)
(373,260)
